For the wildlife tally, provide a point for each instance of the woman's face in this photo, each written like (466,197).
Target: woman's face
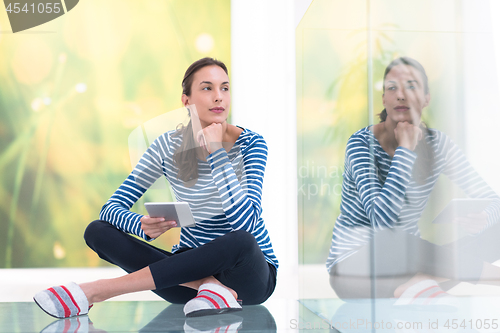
(210,94)
(404,95)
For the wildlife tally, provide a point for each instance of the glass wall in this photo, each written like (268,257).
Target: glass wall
(413,220)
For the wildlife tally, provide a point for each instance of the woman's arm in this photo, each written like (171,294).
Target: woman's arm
(241,202)
(117,209)
(381,202)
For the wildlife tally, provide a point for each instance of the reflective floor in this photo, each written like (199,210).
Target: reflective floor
(466,314)
(156,316)
(145,312)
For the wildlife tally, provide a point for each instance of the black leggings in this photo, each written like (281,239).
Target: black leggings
(235,259)
(396,250)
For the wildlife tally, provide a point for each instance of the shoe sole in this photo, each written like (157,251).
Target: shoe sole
(210,312)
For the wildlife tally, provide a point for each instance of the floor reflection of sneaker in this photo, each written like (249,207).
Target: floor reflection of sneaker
(80,324)
(69,325)
(220,323)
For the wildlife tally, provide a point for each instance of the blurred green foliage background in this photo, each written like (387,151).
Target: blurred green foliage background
(71,92)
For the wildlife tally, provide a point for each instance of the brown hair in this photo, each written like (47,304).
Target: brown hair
(185,156)
(425,154)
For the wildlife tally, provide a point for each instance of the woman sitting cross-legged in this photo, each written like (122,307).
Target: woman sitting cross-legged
(218,169)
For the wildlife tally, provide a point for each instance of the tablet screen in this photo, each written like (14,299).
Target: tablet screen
(172,211)
(461,208)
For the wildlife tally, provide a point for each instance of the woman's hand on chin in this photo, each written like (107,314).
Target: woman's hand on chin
(407,135)
(210,137)
(155,226)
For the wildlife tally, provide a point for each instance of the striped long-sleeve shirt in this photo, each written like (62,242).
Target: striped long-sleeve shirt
(379,192)
(226,197)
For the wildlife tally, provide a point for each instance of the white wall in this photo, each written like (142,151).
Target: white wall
(263,100)
(482,70)
(481,87)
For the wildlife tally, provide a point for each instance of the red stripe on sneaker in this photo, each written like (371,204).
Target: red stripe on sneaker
(211,300)
(420,293)
(72,299)
(222,298)
(67,313)
(429,299)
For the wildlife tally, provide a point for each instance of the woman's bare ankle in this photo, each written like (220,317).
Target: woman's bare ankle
(90,291)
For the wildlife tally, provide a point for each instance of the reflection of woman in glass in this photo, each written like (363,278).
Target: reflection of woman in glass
(390,171)
(218,169)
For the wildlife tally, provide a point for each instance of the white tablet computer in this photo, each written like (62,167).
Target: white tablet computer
(461,208)
(172,211)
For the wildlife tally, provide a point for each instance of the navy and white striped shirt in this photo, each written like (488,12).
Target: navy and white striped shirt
(226,197)
(378,191)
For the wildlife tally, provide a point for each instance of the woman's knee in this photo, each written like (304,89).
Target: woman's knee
(348,287)
(243,239)
(242,244)
(95,231)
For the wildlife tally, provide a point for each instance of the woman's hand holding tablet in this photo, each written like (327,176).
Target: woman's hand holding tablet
(155,226)
(166,215)
(468,213)
(473,223)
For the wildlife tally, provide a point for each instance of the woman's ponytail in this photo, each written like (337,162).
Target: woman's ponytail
(185,156)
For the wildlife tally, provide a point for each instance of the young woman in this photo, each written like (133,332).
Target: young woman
(218,169)
(390,171)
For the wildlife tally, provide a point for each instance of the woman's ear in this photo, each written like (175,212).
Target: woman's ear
(185,100)
(427,100)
